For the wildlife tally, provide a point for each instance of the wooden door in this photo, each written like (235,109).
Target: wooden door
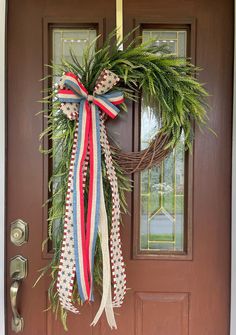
(176,240)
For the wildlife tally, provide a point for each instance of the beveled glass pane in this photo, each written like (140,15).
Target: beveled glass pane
(162,187)
(64,41)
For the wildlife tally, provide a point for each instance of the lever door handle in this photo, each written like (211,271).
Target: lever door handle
(17,320)
(18,271)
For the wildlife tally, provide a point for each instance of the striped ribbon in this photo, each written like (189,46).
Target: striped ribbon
(80,233)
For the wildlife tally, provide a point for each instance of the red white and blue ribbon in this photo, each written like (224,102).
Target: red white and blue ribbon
(80,232)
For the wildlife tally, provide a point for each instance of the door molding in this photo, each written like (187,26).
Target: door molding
(2,163)
(2,181)
(233,217)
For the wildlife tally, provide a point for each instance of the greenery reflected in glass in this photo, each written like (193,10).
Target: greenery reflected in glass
(162,187)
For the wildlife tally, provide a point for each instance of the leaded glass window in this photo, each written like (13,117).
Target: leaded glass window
(162,187)
(65,41)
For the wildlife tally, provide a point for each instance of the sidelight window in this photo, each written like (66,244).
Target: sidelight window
(162,227)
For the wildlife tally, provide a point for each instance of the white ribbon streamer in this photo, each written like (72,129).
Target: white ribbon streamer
(106,302)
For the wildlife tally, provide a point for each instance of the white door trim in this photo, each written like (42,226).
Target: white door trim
(2,183)
(2,163)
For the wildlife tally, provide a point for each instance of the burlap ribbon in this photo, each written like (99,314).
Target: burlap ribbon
(80,233)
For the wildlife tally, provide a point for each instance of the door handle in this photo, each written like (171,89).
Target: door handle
(17,321)
(18,271)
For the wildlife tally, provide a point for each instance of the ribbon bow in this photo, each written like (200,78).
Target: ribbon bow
(80,234)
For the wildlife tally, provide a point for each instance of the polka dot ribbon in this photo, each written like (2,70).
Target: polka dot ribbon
(84,222)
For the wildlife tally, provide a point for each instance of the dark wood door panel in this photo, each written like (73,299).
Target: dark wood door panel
(208,297)
(27,43)
(164,296)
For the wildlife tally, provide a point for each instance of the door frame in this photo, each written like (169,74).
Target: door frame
(3,13)
(2,164)
(233,201)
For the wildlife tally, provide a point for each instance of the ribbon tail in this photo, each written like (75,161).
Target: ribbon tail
(66,273)
(110,312)
(78,204)
(106,302)
(118,268)
(94,193)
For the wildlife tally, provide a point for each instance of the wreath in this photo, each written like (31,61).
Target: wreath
(90,177)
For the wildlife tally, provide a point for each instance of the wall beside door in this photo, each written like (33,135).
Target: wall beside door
(2,160)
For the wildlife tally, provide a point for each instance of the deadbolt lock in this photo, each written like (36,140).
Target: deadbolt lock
(19,232)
